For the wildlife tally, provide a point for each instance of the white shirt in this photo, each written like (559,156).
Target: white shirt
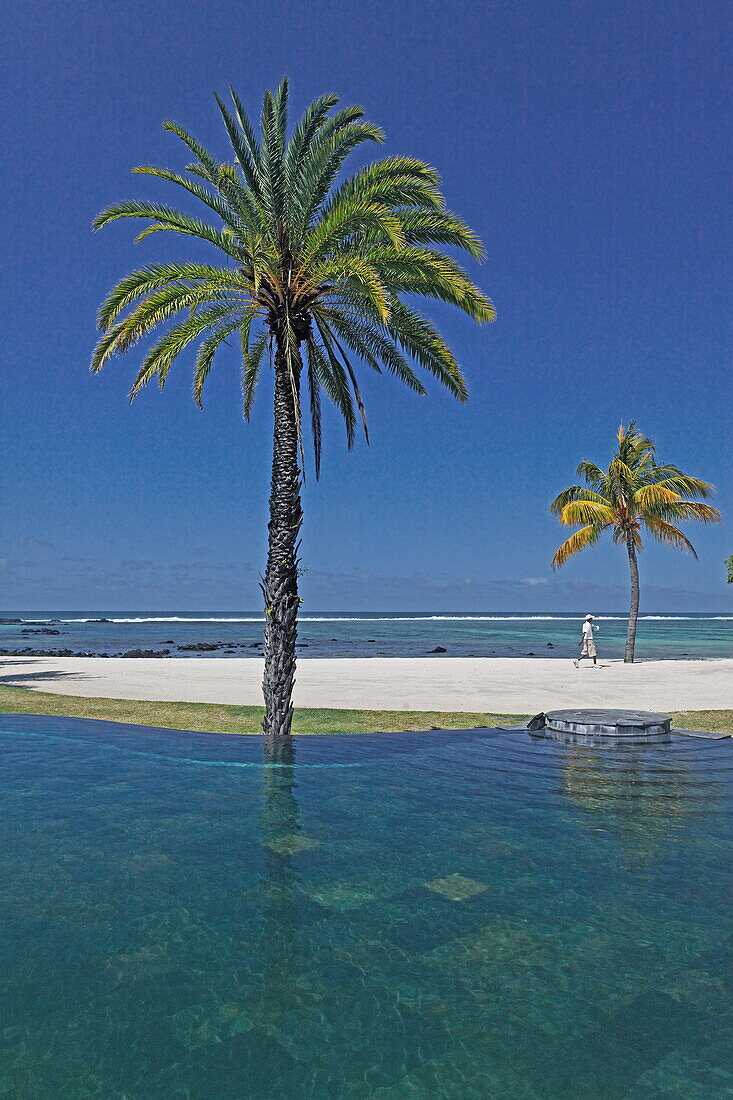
(587,631)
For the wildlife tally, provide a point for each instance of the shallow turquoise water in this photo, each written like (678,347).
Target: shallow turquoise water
(382,635)
(441,915)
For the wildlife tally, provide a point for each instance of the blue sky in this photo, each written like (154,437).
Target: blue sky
(586,143)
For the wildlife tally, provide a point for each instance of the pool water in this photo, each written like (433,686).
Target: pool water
(464,915)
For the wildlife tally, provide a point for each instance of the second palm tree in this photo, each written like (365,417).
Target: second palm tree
(633,493)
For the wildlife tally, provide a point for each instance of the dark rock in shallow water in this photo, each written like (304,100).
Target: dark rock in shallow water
(11,622)
(550,645)
(146,653)
(438,649)
(43,631)
(201,647)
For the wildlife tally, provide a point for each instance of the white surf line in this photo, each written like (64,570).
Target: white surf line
(393,619)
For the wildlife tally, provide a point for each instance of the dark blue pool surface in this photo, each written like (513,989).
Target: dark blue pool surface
(466,915)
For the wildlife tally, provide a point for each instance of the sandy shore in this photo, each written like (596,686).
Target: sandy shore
(505,685)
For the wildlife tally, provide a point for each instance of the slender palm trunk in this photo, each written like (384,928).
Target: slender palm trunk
(280,587)
(634,608)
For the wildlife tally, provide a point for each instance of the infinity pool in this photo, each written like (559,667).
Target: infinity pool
(464,915)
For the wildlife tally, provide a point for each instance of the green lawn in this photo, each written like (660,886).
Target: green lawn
(219,718)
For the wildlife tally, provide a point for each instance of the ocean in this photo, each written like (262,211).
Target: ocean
(368,634)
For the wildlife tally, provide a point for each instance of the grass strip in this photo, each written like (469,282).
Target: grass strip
(224,718)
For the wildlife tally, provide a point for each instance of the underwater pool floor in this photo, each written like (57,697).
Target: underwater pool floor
(465,915)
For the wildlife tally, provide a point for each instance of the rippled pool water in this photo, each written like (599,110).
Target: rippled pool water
(464,915)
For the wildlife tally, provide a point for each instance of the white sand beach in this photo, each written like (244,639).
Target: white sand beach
(504,685)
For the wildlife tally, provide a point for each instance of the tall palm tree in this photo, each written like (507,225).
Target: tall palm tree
(312,275)
(633,493)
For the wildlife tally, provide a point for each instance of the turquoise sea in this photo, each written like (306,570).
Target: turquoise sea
(472,916)
(370,634)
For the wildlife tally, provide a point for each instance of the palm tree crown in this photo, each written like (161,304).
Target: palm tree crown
(323,271)
(633,495)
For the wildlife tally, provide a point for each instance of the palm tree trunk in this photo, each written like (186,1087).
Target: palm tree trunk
(634,608)
(280,587)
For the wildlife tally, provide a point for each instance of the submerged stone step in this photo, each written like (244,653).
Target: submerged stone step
(700,733)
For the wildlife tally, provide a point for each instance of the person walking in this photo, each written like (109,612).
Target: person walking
(586,643)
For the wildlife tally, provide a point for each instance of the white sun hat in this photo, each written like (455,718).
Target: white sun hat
(588,617)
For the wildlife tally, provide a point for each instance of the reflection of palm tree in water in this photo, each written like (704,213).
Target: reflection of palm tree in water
(279,807)
(280,829)
(645,800)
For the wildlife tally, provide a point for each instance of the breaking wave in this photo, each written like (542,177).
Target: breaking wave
(391,619)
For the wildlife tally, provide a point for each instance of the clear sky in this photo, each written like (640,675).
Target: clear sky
(585,142)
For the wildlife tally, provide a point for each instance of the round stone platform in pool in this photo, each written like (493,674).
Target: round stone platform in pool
(599,727)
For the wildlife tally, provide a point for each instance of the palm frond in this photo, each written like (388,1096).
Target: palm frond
(586,511)
(303,135)
(578,541)
(273,123)
(684,484)
(648,496)
(210,198)
(375,347)
(354,383)
(440,227)
(349,217)
(152,278)
(591,473)
(161,306)
(207,165)
(165,218)
(314,392)
(392,181)
(577,492)
(320,170)
(335,382)
(244,147)
(312,163)
(252,355)
(669,534)
(161,357)
(421,341)
(431,274)
(622,475)
(207,351)
(686,509)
